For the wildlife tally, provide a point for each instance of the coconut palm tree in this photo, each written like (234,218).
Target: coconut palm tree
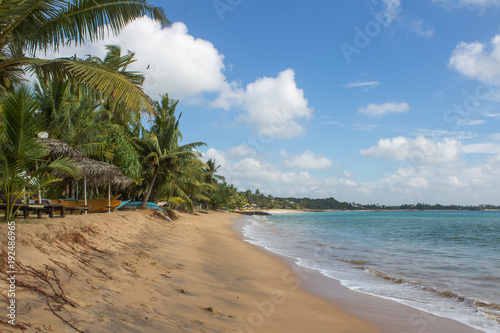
(31,26)
(184,184)
(92,124)
(211,176)
(160,145)
(24,164)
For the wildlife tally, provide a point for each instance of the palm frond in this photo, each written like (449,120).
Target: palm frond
(48,24)
(109,83)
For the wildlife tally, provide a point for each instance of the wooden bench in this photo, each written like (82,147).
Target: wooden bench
(45,207)
(52,207)
(26,209)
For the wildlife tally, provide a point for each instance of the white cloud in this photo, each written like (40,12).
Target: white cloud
(381,109)
(421,29)
(257,172)
(440,134)
(482,148)
(179,64)
(274,107)
(474,60)
(230,95)
(416,151)
(366,84)
(306,160)
(470,122)
(417,182)
(186,67)
(427,171)
(241,151)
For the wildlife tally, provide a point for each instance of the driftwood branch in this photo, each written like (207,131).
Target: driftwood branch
(15,325)
(58,316)
(64,267)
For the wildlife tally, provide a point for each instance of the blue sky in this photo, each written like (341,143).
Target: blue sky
(387,101)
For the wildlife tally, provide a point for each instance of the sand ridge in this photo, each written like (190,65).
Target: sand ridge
(135,272)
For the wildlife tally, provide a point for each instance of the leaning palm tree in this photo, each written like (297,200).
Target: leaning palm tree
(182,184)
(28,26)
(211,176)
(160,145)
(24,162)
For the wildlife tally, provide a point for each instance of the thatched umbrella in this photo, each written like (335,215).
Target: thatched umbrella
(57,149)
(121,181)
(94,172)
(101,173)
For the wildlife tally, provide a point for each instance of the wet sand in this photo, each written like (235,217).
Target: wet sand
(385,315)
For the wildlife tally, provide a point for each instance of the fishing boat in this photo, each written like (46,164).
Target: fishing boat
(94,206)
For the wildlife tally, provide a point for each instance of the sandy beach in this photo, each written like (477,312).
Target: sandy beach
(134,272)
(138,272)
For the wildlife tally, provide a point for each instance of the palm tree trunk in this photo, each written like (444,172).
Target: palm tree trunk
(145,198)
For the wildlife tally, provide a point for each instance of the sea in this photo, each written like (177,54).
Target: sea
(442,262)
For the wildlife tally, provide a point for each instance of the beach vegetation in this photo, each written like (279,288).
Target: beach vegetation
(24,166)
(167,163)
(28,27)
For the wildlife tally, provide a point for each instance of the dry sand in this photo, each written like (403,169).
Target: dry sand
(134,272)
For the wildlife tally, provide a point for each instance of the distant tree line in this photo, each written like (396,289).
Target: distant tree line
(227,196)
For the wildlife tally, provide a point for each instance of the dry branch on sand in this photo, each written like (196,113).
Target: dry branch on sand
(46,283)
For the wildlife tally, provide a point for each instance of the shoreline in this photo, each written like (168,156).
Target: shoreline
(385,314)
(134,272)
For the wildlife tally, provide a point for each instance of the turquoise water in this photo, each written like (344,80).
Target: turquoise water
(446,263)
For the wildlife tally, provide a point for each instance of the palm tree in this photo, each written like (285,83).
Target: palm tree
(210,173)
(23,160)
(184,183)
(160,145)
(96,126)
(28,26)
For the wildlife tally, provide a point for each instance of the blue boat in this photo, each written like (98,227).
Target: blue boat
(130,203)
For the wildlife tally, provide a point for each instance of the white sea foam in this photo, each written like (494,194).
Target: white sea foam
(339,253)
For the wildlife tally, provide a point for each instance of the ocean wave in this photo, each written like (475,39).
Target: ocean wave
(355,262)
(492,310)
(345,257)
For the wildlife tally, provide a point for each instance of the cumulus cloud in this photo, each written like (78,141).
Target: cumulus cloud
(274,106)
(178,63)
(417,151)
(186,67)
(256,171)
(476,61)
(306,160)
(376,110)
(417,182)
(432,171)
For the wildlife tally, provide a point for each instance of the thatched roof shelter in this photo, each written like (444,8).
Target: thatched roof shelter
(97,172)
(57,149)
(121,181)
